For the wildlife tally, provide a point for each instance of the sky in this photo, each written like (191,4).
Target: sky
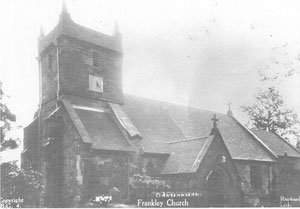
(202,53)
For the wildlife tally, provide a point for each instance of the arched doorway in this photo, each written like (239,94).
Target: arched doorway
(218,185)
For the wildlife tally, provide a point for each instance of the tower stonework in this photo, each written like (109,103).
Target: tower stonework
(79,69)
(80,64)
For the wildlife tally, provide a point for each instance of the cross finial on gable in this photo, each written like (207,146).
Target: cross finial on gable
(229,103)
(214,130)
(215,120)
(116,30)
(229,112)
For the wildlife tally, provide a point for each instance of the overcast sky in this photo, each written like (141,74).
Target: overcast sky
(168,47)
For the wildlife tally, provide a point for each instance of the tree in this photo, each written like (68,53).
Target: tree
(20,185)
(270,113)
(7,122)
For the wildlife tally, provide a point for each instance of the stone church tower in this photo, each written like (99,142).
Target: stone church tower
(78,68)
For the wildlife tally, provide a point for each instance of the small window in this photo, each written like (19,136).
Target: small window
(50,60)
(256,176)
(96,59)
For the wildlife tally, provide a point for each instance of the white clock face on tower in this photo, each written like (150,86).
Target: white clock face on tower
(95,83)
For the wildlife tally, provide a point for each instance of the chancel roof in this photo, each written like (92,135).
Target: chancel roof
(164,122)
(277,144)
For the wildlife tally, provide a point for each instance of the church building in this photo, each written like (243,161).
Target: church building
(88,136)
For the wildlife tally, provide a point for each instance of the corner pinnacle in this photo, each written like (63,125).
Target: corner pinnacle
(64,7)
(42,34)
(116,30)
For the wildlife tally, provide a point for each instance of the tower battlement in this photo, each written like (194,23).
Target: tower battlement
(67,27)
(80,64)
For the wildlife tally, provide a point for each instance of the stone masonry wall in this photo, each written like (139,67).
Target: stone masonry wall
(255,196)
(72,166)
(90,172)
(287,181)
(49,73)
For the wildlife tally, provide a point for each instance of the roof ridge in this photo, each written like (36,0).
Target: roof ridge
(174,104)
(189,139)
(151,99)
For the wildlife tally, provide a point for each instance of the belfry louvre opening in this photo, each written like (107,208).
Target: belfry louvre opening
(96,59)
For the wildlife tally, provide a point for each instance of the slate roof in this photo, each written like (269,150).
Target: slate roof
(277,144)
(164,122)
(66,26)
(186,155)
(102,131)
(158,123)
(97,128)
(153,122)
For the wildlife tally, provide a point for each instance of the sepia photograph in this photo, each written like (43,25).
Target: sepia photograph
(149,103)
